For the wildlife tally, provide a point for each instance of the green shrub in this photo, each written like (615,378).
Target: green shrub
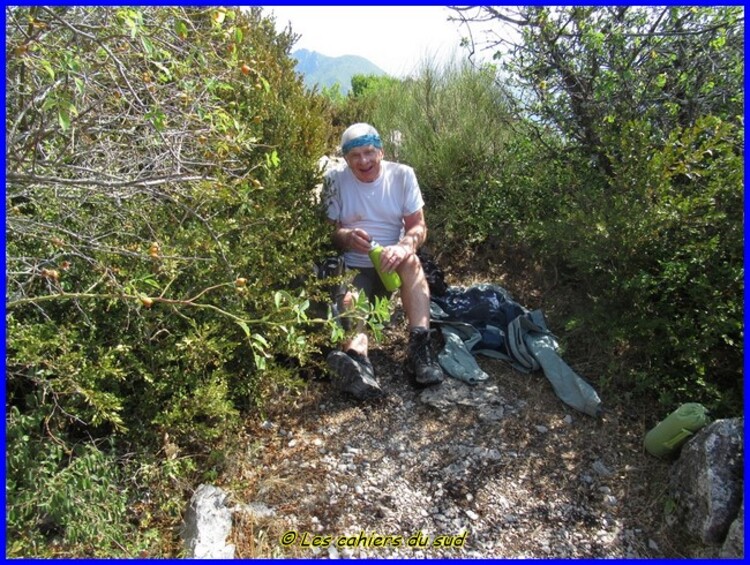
(164,205)
(657,252)
(678,281)
(62,501)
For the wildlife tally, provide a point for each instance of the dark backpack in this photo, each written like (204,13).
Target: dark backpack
(433,273)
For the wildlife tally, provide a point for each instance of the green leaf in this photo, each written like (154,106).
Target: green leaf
(157,118)
(260,339)
(244,327)
(163,69)
(260,361)
(63,118)
(272,160)
(181,29)
(48,67)
(151,282)
(147,46)
(49,102)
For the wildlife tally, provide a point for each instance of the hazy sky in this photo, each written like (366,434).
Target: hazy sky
(396,38)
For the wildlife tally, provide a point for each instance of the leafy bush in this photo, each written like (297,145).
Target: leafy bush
(160,237)
(673,262)
(656,253)
(588,71)
(76,498)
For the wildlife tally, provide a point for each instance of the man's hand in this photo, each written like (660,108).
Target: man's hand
(393,256)
(359,240)
(355,240)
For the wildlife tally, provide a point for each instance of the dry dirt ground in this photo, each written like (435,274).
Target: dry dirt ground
(500,470)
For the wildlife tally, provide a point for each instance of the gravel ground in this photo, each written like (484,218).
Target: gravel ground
(499,470)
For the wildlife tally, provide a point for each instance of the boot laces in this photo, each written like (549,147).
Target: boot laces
(422,349)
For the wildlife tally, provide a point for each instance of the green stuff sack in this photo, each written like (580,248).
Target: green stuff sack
(669,434)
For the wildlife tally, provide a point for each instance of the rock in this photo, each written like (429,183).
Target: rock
(452,393)
(257,510)
(491,413)
(445,396)
(734,544)
(601,469)
(207,524)
(706,482)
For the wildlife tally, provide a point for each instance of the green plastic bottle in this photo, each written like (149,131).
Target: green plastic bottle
(669,434)
(391,281)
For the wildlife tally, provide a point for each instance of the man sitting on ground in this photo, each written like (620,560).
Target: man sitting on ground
(371,199)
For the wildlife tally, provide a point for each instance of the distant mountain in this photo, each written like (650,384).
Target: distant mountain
(326,71)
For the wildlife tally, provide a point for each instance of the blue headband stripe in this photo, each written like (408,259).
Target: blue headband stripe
(369,139)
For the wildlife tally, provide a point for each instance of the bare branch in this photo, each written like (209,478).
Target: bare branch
(100,183)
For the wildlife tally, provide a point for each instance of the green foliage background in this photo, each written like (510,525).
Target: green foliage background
(147,172)
(162,228)
(583,149)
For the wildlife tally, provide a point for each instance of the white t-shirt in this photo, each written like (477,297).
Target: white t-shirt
(377,207)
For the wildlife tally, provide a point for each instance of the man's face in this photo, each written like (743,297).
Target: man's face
(365,162)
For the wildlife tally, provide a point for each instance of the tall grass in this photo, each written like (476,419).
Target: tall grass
(454,124)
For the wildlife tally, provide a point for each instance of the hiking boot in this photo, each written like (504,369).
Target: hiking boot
(354,373)
(420,361)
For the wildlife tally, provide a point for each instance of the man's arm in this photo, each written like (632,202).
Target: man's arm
(415,232)
(340,235)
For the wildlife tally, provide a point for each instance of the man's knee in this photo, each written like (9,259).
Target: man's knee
(411,267)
